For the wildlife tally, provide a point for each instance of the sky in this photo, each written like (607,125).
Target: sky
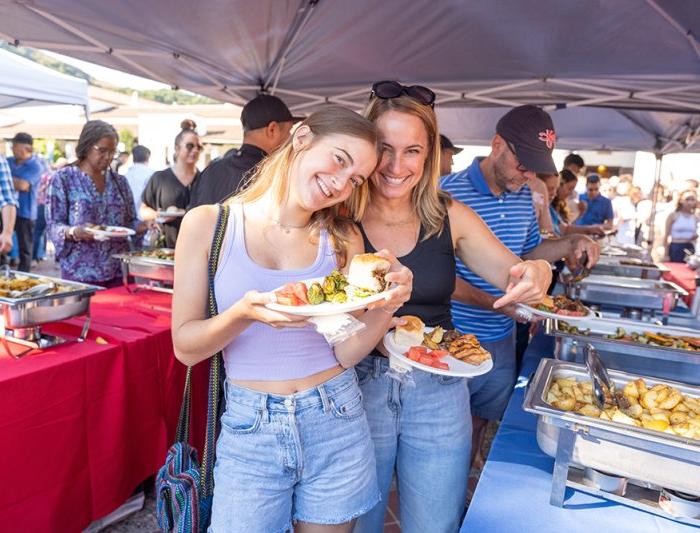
(108,75)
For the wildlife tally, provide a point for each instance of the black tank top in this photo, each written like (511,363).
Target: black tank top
(432,262)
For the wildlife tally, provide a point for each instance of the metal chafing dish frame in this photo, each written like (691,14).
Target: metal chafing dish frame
(610,265)
(627,355)
(630,292)
(648,459)
(155,271)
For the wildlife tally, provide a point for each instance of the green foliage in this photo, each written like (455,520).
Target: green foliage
(169,96)
(128,139)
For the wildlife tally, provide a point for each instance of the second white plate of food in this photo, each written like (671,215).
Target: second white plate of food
(457,367)
(110,231)
(562,308)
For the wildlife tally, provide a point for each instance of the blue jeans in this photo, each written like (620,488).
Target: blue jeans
(306,456)
(491,392)
(423,432)
(39,251)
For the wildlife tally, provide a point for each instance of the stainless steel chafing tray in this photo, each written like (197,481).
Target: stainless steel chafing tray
(647,359)
(151,269)
(615,266)
(646,458)
(73,298)
(627,292)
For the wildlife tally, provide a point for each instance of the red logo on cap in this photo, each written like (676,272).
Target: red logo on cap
(548,137)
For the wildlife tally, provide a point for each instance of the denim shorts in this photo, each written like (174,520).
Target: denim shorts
(490,392)
(303,457)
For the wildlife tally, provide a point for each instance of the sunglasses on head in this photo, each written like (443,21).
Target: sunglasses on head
(393,89)
(192,146)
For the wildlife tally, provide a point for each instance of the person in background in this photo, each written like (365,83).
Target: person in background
(169,189)
(26,175)
(88,192)
(267,123)
(39,241)
(559,187)
(139,173)
(447,152)
(577,166)
(495,187)
(121,160)
(599,209)
(682,228)
(8,208)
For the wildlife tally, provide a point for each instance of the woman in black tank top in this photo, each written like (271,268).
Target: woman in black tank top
(421,424)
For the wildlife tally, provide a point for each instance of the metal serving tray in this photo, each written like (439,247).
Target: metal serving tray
(647,458)
(612,266)
(628,292)
(149,268)
(33,311)
(667,363)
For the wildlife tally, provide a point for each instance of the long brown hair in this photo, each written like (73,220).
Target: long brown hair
(565,176)
(272,176)
(429,203)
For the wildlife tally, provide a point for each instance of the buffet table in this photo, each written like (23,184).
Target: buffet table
(681,274)
(84,423)
(514,488)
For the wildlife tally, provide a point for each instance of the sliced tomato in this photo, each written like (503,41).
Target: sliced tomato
(441,365)
(415,352)
(439,354)
(286,295)
(300,291)
(413,356)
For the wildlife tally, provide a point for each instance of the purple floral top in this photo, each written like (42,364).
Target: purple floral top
(73,200)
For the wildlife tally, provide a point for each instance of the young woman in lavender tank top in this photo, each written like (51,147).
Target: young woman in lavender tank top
(294,449)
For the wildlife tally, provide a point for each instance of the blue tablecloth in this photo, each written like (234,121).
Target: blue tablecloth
(514,489)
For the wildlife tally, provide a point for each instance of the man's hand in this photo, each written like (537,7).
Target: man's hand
(578,245)
(5,242)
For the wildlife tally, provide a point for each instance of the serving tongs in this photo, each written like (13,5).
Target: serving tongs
(578,272)
(32,292)
(603,386)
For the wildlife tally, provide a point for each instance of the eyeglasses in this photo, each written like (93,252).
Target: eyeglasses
(520,167)
(104,151)
(393,89)
(192,146)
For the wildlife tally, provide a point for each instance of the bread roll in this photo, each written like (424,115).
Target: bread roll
(367,272)
(411,333)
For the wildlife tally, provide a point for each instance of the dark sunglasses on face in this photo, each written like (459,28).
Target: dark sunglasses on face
(520,167)
(393,89)
(192,146)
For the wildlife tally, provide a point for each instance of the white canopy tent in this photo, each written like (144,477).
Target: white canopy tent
(641,57)
(26,83)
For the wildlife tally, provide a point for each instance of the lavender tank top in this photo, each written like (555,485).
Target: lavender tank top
(261,352)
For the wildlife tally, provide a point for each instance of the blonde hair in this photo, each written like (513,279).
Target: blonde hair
(429,202)
(272,175)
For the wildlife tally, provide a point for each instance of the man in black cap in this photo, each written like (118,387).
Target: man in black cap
(447,152)
(495,187)
(267,123)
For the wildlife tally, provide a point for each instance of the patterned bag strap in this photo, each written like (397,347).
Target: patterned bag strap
(183,425)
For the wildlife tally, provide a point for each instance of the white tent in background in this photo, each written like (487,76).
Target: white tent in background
(26,83)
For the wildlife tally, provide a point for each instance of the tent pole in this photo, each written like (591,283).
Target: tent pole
(654,201)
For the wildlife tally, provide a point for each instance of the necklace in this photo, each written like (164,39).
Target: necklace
(287,228)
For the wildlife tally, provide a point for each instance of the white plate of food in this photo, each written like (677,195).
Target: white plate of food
(110,232)
(558,307)
(434,350)
(336,293)
(170,212)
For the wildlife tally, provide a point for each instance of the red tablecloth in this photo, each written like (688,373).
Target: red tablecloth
(682,275)
(82,424)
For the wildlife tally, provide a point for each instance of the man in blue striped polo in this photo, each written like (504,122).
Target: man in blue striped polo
(495,187)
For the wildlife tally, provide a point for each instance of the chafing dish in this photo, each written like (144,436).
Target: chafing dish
(647,458)
(659,361)
(151,268)
(72,298)
(617,266)
(627,292)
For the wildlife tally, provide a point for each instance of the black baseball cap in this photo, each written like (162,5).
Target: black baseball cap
(263,109)
(446,144)
(530,132)
(22,138)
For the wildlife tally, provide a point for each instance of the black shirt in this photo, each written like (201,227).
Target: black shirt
(163,190)
(432,262)
(225,176)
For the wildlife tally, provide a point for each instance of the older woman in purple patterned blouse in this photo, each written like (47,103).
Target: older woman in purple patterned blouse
(88,192)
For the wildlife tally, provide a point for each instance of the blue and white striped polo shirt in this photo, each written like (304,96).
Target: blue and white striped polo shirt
(511,217)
